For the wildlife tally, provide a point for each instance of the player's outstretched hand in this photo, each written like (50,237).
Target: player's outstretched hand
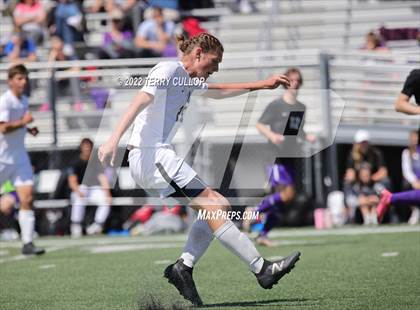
(276,80)
(106,153)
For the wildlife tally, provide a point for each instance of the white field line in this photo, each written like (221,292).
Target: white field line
(163,262)
(390,254)
(299,232)
(351,231)
(89,241)
(23,257)
(46,266)
(133,247)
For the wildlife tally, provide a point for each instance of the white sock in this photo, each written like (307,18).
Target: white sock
(199,239)
(27,225)
(240,245)
(101,214)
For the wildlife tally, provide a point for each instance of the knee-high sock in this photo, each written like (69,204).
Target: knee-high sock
(270,222)
(240,245)
(406,198)
(27,225)
(199,239)
(270,202)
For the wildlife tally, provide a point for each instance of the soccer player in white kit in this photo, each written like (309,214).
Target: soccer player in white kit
(154,165)
(14,160)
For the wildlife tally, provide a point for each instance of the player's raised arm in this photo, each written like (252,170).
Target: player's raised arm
(225,90)
(107,151)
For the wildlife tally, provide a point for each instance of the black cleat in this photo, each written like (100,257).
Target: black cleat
(30,249)
(272,272)
(180,276)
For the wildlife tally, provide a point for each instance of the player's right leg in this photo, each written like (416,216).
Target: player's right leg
(27,220)
(22,179)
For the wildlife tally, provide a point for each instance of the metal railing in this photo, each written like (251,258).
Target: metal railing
(368,82)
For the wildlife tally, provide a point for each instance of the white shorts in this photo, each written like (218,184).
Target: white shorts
(146,174)
(19,173)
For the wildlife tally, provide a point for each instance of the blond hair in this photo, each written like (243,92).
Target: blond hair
(207,42)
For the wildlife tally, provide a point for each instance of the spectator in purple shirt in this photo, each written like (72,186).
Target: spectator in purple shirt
(117,43)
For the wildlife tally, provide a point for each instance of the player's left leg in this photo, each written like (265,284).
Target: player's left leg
(180,274)
(27,220)
(403,198)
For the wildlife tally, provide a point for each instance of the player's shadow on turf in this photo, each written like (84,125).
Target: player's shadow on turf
(261,303)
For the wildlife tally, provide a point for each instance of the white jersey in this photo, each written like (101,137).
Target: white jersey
(171,87)
(156,125)
(12,144)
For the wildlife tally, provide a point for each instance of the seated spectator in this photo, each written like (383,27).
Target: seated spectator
(132,11)
(20,48)
(30,16)
(117,43)
(363,152)
(64,86)
(68,24)
(88,184)
(410,162)
(364,191)
(373,43)
(155,37)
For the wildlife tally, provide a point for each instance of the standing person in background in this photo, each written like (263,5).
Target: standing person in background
(14,160)
(90,186)
(410,162)
(271,125)
(411,88)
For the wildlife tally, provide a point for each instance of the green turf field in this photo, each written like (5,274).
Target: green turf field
(339,269)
